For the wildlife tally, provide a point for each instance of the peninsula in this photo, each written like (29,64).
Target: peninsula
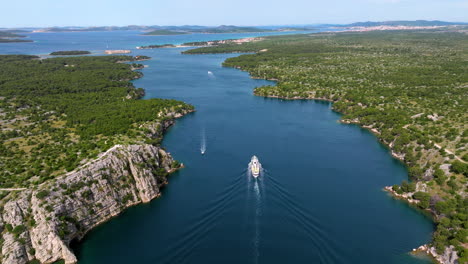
(78,148)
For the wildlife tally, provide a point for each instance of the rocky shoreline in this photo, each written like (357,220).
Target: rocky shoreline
(38,224)
(449,256)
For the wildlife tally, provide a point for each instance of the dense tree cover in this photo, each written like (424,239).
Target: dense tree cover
(55,113)
(411,87)
(70,52)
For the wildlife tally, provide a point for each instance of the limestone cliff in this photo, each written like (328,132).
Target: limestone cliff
(40,223)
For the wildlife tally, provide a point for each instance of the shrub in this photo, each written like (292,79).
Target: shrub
(18,229)
(423,199)
(42,194)
(460,168)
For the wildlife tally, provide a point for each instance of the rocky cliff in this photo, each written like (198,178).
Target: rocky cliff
(39,224)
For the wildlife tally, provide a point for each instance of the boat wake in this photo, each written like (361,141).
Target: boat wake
(211,75)
(203,224)
(310,225)
(203,142)
(258,214)
(256,188)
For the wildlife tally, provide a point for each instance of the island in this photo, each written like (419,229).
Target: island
(9,37)
(233,29)
(77,148)
(206,30)
(407,87)
(162,32)
(156,46)
(70,52)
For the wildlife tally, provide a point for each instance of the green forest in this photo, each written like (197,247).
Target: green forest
(409,87)
(57,113)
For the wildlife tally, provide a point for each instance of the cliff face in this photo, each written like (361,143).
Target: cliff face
(40,223)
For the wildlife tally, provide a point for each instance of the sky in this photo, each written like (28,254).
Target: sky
(47,13)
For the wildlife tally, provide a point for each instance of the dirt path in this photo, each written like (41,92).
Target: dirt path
(449,152)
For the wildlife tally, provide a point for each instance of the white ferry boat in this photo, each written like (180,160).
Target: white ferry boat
(254,167)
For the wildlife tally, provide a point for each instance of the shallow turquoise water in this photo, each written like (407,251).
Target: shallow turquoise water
(320,199)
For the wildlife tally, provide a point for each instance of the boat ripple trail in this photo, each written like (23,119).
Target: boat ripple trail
(311,225)
(258,214)
(191,238)
(255,188)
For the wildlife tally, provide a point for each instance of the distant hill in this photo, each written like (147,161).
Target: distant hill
(163,32)
(232,29)
(416,23)
(198,29)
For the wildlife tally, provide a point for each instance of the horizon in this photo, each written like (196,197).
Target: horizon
(236,25)
(88,13)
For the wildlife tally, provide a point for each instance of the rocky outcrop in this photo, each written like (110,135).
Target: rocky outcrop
(40,223)
(449,256)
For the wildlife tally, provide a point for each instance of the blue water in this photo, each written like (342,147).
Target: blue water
(319,199)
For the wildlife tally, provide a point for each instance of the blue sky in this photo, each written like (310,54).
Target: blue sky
(24,13)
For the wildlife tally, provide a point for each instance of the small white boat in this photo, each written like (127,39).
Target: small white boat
(254,167)
(210,73)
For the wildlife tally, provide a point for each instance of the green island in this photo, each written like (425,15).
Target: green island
(68,110)
(408,87)
(157,46)
(163,32)
(9,37)
(70,52)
